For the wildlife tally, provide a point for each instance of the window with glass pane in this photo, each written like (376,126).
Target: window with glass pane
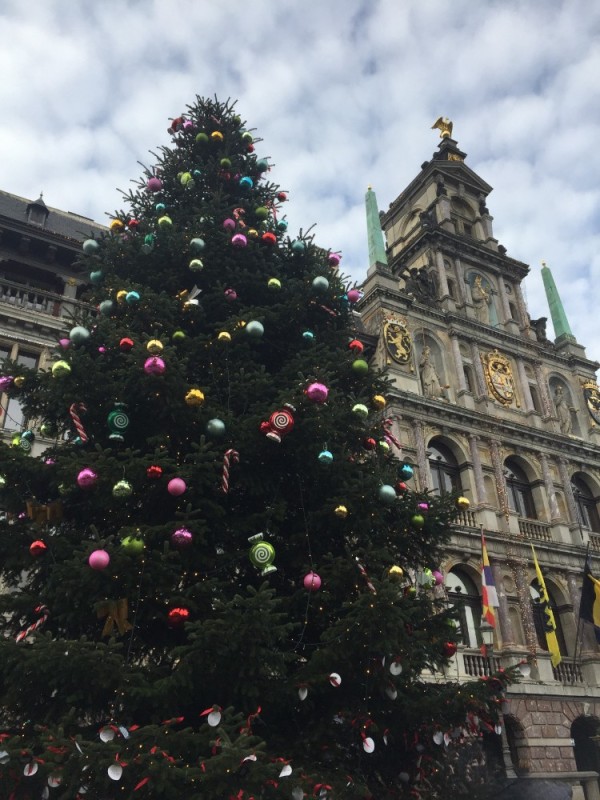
(520,498)
(13,416)
(587,510)
(29,360)
(445,474)
(4,352)
(463,595)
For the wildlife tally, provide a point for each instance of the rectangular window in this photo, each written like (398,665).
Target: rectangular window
(13,416)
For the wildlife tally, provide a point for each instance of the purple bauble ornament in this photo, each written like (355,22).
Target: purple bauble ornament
(334,259)
(154,184)
(176,486)
(154,366)
(423,507)
(99,559)
(6,381)
(312,581)
(64,343)
(239,240)
(229,225)
(317,392)
(181,539)
(86,478)
(354,296)
(438,577)
(230,294)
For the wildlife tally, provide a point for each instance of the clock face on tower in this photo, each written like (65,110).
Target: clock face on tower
(592,400)
(397,340)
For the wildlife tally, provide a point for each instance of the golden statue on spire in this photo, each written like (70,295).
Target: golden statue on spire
(445,127)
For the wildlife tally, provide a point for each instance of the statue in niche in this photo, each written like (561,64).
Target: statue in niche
(419,285)
(563,412)
(430,381)
(539,328)
(481,301)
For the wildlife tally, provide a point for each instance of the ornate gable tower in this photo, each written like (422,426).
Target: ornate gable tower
(485,403)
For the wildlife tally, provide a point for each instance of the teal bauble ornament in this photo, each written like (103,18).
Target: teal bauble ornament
(215,427)
(308,336)
(246,182)
(320,284)
(117,422)
(197,245)
(255,329)
(325,457)
(299,247)
(90,247)
(132,298)
(360,366)
(160,208)
(122,489)
(262,165)
(106,307)
(79,334)
(387,494)
(97,276)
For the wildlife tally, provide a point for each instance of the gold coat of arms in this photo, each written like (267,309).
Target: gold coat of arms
(397,340)
(499,377)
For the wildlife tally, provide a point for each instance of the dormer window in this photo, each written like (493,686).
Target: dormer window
(37,212)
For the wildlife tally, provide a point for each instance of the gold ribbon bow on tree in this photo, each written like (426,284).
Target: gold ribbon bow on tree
(115,612)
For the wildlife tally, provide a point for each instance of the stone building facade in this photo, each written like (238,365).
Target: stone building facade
(484,402)
(40,283)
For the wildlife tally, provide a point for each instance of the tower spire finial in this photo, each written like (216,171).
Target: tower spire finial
(560,322)
(377,253)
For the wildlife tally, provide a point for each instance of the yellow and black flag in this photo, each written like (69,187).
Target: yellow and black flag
(549,621)
(590,599)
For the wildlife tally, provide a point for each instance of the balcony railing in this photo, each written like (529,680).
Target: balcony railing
(567,671)
(466,519)
(30,299)
(533,529)
(595,542)
(477,665)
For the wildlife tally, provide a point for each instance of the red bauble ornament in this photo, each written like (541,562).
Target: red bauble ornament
(133,224)
(282,197)
(370,443)
(154,472)
(356,346)
(126,344)
(401,487)
(250,148)
(37,548)
(177,616)
(269,238)
(449,649)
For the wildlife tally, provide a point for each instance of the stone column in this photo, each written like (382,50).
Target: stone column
(460,283)
(506,630)
(543,387)
(422,462)
(441,271)
(458,364)
(478,367)
(477,471)
(524,381)
(554,512)
(566,482)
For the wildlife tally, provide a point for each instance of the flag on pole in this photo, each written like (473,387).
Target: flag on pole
(548,618)
(590,599)
(489,595)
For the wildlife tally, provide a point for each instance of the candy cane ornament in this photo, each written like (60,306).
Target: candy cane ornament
(231,456)
(44,613)
(75,407)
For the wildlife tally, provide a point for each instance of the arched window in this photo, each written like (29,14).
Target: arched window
(464,596)
(469,379)
(445,472)
(451,289)
(539,619)
(587,510)
(520,498)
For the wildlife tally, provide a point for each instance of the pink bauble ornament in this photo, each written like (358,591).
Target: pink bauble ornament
(99,559)
(438,577)
(64,343)
(154,366)
(317,392)
(423,507)
(86,478)
(181,539)
(230,294)
(229,225)
(312,582)
(334,259)
(354,296)
(239,240)
(176,486)
(154,184)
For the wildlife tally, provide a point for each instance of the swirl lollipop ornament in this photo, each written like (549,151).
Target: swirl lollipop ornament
(262,554)
(118,422)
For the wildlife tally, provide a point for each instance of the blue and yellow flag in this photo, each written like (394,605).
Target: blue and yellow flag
(590,599)
(549,621)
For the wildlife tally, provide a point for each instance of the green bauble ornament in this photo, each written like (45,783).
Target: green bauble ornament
(133,545)
(196,264)
(2,481)
(360,366)
(178,336)
(60,369)
(262,212)
(418,521)
(201,138)
(360,410)
(274,283)
(122,489)
(118,422)
(165,222)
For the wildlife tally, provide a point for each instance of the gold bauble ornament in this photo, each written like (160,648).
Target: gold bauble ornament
(341,512)
(194,397)
(19,381)
(379,401)
(116,226)
(154,346)
(462,503)
(252,233)
(121,295)
(216,136)
(224,336)
(395,573)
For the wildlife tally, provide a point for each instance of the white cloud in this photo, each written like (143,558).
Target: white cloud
(343,94)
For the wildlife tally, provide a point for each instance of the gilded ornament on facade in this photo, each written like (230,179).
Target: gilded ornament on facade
(499,377)
(592,400)
(444,125)
(397,339)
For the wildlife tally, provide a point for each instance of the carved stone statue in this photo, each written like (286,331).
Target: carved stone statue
(481,301)
(539,328)
(419,285)
(430,381)
(563,412)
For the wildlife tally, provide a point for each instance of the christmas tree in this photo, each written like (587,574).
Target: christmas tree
(219,582)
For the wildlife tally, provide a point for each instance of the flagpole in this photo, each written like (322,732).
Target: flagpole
(587,551)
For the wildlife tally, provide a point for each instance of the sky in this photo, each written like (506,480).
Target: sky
(343,94)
